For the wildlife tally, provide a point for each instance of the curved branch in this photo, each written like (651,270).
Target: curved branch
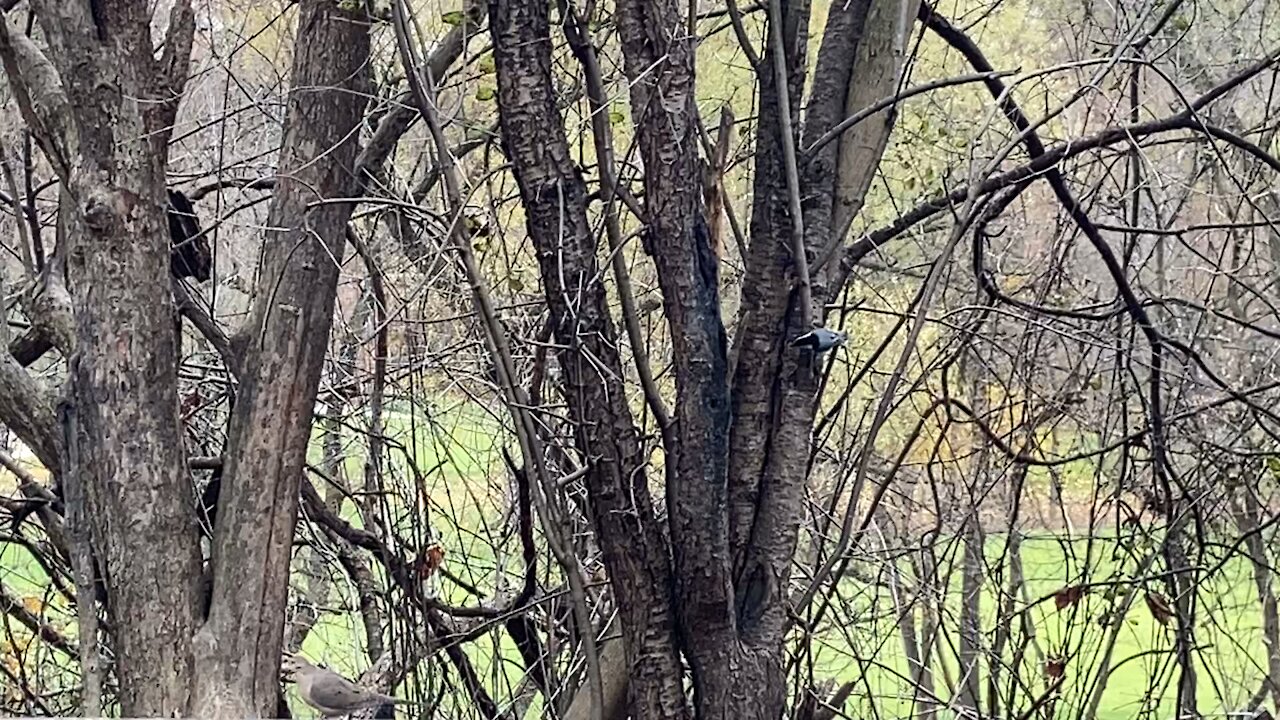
(404,111)
(27,408)
(866,112)
(41,97)
(1055,154)
(14,608)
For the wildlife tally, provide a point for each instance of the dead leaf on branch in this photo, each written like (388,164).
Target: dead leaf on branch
(1068,596)
(1055,666)
(430,561)
(1160,609)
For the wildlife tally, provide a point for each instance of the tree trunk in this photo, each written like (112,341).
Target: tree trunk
(107,140)
(733,516)
(1248,519)
(554,202)
(238,648)
(730,680)
(970,651)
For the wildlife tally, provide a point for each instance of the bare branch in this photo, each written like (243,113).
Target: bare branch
(173,71)
(41,97)
(14,607)
(27,408)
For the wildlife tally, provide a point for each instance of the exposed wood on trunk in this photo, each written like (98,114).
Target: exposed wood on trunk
(614,668)
(239,646)
(879,63)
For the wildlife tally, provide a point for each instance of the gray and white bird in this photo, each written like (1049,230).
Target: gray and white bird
(329,692)
(820,340)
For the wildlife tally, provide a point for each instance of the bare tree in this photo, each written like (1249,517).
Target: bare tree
(544,311)
(103,106)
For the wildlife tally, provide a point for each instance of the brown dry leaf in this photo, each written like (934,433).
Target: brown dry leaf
(1055,666)
(1069,596)
(1159,608)
(33,604)
(190,404)
(431,560)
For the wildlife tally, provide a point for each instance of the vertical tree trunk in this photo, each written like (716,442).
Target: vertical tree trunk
(973,562)
(108,147)
(970,650)
(554,201)
(239,646)
(733,515)
(729,679)
(1248,520)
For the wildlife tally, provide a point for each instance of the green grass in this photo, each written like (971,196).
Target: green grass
(462,472)
(868,647)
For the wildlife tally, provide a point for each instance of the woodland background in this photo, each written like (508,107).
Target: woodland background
(487,396)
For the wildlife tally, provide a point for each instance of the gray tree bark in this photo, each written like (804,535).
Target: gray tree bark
(101,104)
(238,648)
(108,143)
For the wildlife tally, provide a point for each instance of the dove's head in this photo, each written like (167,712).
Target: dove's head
(293,664)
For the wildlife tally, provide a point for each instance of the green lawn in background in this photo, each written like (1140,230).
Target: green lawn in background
(1231,662)
(466,491)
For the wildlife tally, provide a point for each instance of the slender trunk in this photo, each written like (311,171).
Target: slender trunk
(1247,519)
(904,610)
(925,691)
(1115,624)
(82,567)
(970,651)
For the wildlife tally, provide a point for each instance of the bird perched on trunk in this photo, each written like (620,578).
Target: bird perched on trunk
(820,340)
(329,692)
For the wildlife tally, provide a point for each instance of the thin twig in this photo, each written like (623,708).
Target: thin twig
(799,255)
(576,32)
(499,350)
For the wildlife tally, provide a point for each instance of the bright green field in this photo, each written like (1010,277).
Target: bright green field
(859,641)
(1231,654)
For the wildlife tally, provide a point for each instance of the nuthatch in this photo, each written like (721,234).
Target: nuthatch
(820,340)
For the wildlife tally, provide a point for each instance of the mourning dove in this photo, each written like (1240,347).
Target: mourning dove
(329,692)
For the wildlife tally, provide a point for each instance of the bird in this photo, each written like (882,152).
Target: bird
(329,692)
(820,340)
